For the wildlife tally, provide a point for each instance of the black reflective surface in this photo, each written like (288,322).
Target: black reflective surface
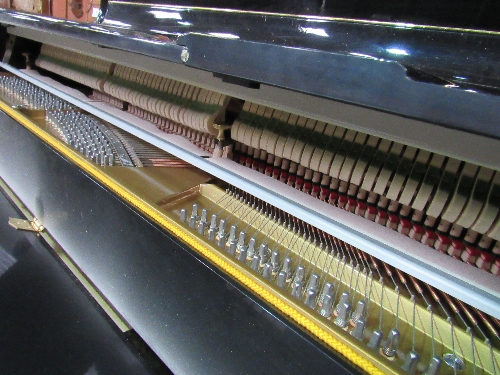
(445,53)
(102,35)
(475,14)
(193,317)
(449,77)
(48,324)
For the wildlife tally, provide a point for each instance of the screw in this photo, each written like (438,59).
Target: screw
(185,55)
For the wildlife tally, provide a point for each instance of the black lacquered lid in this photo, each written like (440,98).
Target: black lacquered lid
(464,14)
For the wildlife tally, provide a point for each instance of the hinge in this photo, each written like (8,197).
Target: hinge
(32,226)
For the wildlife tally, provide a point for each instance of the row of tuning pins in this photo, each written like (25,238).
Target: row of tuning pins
(216,230)
(356,324)
(84,134)
(389,348)
(306,288)
(268,263)
(77,130)
(30,95)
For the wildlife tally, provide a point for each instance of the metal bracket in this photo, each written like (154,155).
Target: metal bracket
(222,140)
(32,226)
(221,137)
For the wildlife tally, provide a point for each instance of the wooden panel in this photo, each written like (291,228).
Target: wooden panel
(33,6)
(5,4)
(59,8)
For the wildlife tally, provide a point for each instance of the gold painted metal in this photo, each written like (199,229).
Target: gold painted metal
(380,294)
(153,184)
(152,191)
(168,190)
(168,222)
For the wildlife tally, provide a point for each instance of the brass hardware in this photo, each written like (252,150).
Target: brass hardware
(221,128)
(32,226)
(222,141)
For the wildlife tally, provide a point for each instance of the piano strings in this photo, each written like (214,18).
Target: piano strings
(407,322)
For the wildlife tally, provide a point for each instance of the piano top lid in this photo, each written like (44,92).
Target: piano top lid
(465,14)
(445,72)
(448,76)
(438,42)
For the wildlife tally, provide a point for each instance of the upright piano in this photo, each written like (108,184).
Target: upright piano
(264,187)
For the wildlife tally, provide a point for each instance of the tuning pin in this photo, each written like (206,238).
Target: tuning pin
(358,313)
(255,262)
(221,235)
(211,234)
(106,160)
(251,248)
(267,271)
(192,222)
(359,329)
(287,268)
(194,216)
(232,233)
(434,366)
(221,242)
(411,362)
(263,253)
(375,339)
(204,215)
(88,150)
(391,343)
(310,299)
(281,282)
(313,282)
(326,309)
(183,215)
(299,275)
(344,311)
(275,261)
(297,288)
(232,247)
(454,361)
(241,241)
(242,256)
(344,298)
(327,289)
(213,222)
(202,227)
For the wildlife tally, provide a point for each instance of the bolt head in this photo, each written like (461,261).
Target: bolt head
(185,55)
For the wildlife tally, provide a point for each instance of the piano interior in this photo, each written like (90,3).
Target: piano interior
(381,242)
